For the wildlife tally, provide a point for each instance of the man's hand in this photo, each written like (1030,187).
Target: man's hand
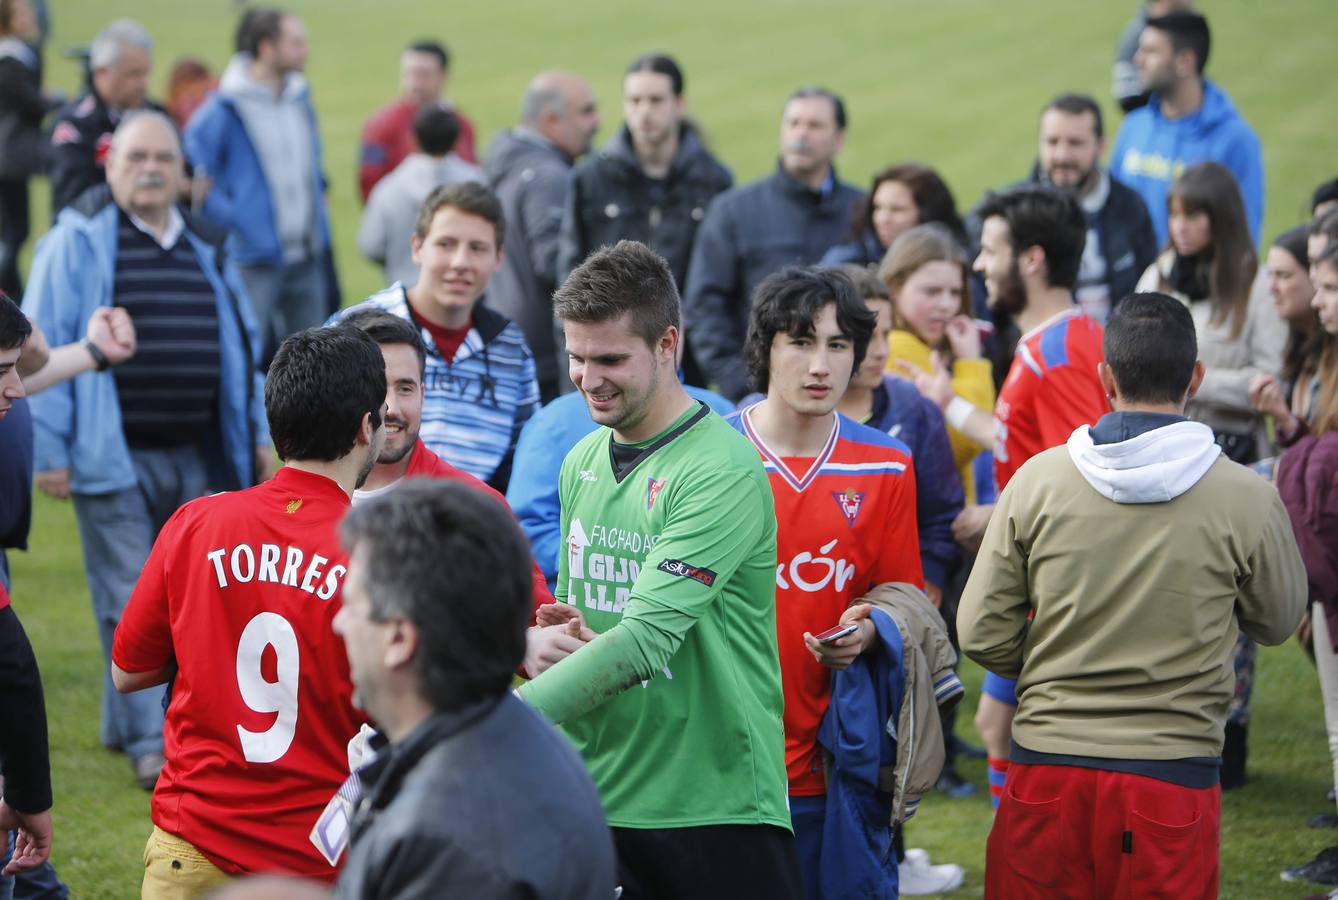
(935,594)
(55,483)
(32,845)
(969,526)
(34,353)
(963,337)
(546,645)
(839,654)
(111,331)
(563,614)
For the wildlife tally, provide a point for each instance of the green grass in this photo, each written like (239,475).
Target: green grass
(957,83)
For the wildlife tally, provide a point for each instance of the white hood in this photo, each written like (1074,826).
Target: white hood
(1154,467)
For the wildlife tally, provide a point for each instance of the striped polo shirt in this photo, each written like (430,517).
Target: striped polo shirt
(168,390)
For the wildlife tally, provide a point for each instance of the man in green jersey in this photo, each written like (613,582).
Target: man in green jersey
(669,564)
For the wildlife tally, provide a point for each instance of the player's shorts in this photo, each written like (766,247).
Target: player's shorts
(1002,689)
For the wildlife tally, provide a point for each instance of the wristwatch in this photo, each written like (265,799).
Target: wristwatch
(100,360)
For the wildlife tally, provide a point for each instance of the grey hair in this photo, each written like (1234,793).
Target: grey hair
(107,46)
(540,99)
(137,114)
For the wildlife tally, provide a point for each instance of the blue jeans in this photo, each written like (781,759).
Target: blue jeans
(807,815)
(285,299)
(117,532)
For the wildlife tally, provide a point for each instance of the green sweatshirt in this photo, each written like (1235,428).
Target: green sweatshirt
(676,706)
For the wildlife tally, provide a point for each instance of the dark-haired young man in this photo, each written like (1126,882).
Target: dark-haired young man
(387,224)
(789,217)
(235,607)
(1187,120)
(651,182)
(479,381)
(388,137)
(257,140)
(477,796)
(403,454)
(1031,246)
(845,514)
(1123,658)
(675,702)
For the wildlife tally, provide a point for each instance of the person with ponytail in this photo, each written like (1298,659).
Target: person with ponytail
(1308,484)
(926,272)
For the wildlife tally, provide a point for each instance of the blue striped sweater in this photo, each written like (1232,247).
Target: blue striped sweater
(475,404)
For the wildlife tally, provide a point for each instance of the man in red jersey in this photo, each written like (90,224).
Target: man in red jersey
(235,607)
(845,510)
(387,138)
(404,455)
(1031,246)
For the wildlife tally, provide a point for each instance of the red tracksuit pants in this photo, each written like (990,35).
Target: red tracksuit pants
(1069,832)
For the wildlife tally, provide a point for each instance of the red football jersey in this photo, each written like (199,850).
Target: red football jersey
(423,463)
(240,592)
(845,522)
(1051,389)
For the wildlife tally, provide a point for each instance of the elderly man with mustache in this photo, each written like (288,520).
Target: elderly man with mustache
(790,217)
(184,416)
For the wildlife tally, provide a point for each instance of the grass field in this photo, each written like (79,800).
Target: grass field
(957,83)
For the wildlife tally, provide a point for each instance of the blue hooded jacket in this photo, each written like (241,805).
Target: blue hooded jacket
(859,730)
(1151,151)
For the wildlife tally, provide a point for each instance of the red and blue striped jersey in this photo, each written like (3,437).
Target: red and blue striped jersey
(1051,389)
(845,522)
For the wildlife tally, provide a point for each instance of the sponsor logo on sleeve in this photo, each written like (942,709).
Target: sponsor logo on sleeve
(686,570)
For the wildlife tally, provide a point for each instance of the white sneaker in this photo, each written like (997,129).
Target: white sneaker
(916,877)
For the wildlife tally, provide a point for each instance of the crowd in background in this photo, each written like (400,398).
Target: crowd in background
(171,332)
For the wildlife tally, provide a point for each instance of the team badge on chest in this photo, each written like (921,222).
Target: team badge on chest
(850,501)
(653,488)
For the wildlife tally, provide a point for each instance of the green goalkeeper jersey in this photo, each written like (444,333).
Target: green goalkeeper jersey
(676,706)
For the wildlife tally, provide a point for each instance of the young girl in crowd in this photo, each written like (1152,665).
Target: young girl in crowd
(927,275)
(1287,399)
(1210,264)
(900,198)
(1308,483)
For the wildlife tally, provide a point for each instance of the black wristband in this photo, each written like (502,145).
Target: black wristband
(100,360)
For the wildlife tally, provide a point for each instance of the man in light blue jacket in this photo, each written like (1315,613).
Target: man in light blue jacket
(1187,120)
(257,143)
(184,416)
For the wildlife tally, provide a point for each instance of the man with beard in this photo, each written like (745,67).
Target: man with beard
(182,417)
(1031,245)
(1120,241)
(789,217)
(235,607)
(404,455)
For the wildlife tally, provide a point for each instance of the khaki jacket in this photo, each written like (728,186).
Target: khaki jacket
(1137,599)
(930,683)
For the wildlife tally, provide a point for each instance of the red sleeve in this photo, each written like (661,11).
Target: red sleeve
(373,157)
(1069,397)
(464,143)
(899,556)
(143,640)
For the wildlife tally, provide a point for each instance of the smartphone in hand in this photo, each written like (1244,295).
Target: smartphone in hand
(836,633)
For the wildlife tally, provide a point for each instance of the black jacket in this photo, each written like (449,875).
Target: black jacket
(610,198)
(22,108)
(81,134)
(749,233)
(485,802)
(529,175)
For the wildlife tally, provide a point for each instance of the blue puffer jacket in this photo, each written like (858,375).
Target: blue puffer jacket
(217,143)
(78,423)
(1151,150)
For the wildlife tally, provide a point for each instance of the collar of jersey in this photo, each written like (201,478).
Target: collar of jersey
(773,459)
(290,479)
(674,431)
